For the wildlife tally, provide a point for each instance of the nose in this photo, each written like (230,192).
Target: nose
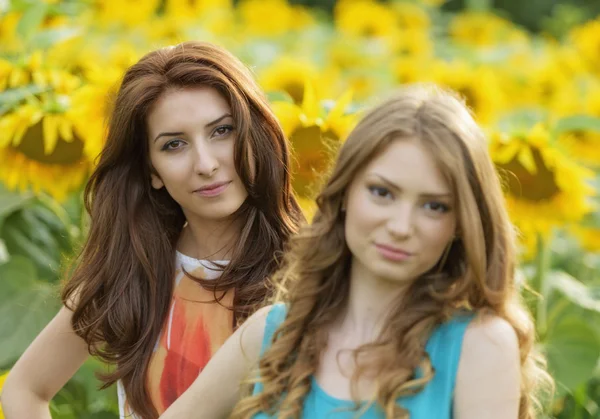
(206,162)
(400,224)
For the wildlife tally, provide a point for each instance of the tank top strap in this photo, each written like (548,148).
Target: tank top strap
(275,317)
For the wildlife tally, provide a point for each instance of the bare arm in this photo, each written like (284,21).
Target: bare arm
(217,389)
(489,377)
(45,367)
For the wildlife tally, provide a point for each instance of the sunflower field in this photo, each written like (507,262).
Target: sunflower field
(537,95)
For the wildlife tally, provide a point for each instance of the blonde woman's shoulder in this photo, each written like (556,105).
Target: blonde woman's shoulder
(488,377)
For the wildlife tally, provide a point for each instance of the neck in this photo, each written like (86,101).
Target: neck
(209,239)
(370,300)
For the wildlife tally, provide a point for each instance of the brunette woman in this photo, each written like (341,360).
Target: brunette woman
(190,204)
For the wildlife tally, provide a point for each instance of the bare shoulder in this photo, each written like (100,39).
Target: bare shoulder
(258,320)
(489,371)
(490,346)
(492,335)
(252,332)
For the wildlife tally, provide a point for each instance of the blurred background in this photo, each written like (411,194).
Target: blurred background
(530,71)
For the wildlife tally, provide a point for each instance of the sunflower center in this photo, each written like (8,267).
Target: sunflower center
(296,90)
(65,153)
(580,136)
(369,31)
(539,186)
(470,98)
(312,154)
(547,89)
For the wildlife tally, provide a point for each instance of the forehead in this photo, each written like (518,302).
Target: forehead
(409,165)
(181,109)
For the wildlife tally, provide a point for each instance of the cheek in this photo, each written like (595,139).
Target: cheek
(171,171)
(362,219)
(435,236)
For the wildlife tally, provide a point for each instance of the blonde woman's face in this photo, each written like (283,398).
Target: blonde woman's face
(399,214)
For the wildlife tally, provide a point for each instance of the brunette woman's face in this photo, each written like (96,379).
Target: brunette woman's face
(191,142)
(399,214)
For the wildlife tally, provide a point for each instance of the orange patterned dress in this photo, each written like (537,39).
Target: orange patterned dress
(196,327)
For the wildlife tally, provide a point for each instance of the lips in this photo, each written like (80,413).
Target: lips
(212,186)
(393,253)
(214,189)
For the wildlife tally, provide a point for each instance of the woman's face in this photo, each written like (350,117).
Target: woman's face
(191,142)
(399,214)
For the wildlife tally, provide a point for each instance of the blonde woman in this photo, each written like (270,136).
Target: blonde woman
(399,301)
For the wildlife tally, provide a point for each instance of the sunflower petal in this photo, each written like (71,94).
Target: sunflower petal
(65,128)
(288,115)
(50,129)
(506,153)
(7,129)
(340,106)
(310,104)
(525,157)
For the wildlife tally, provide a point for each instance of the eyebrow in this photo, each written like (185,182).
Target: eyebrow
(210,124)
(398,188)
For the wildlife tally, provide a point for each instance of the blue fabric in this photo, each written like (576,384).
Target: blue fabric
(434,401)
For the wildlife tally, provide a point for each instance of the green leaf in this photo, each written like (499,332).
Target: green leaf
(10,98)
(577,123)
(478,5)
(32,19)
(522,119)
(18,242)
(11,201)
(279,96)
(50,37)
(98,400)
(26,306)
(573,348)
(577,292)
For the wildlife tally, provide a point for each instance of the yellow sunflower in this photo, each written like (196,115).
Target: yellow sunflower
(583,144)
(586,39)
(538,78)
(407,69)
(365,18)
(589,237)
(39,150)
(483,29)
(183,19)
(19,73)
(314,136)
(8,31)
(107,13)
(544,188)
(478,85)
(91,105)
(290,75)
(282,17)
(195,8)
(411,17)
(2,380)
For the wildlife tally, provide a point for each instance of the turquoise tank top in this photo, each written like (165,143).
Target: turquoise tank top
(434,401)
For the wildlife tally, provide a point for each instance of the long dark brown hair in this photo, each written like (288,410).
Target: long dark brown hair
(477,274)
(122,286)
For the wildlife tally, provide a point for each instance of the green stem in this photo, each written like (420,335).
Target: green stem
(542,262)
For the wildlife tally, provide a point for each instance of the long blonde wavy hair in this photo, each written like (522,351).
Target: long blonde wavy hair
(477,271)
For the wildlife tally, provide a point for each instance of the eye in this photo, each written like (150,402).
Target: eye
(223,130)
(439,207)
(172,144)
(380,192)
